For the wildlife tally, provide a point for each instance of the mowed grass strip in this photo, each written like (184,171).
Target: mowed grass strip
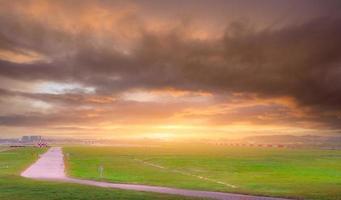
(309,174)
(14,161)
(14,187)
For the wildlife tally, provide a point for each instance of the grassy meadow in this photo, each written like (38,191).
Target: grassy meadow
(14,187)
(302,174)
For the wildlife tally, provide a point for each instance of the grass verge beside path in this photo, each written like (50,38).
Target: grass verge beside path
(14,187)
(309,173)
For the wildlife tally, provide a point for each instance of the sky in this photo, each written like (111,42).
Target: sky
(170,69)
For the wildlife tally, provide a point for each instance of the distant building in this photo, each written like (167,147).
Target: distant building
(30,139)
(25,139)
(36,138)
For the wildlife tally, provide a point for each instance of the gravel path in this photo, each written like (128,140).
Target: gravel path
(50,166)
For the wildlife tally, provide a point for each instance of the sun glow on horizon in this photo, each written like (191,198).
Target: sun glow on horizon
(134,69)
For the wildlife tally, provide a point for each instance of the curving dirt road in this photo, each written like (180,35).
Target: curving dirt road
(50,166)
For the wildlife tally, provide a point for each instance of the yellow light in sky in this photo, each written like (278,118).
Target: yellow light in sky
(26,57)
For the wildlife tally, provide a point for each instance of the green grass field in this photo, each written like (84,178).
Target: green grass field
(308,174)
(13,187)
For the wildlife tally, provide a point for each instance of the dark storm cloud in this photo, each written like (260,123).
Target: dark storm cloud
(30,120)
(302,61)
(63,117)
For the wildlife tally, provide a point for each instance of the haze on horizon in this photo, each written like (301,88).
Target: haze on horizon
(170,69)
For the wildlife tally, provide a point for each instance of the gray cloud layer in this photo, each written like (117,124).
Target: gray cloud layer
(302,61)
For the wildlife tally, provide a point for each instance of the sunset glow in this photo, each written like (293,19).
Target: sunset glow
(169,70)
